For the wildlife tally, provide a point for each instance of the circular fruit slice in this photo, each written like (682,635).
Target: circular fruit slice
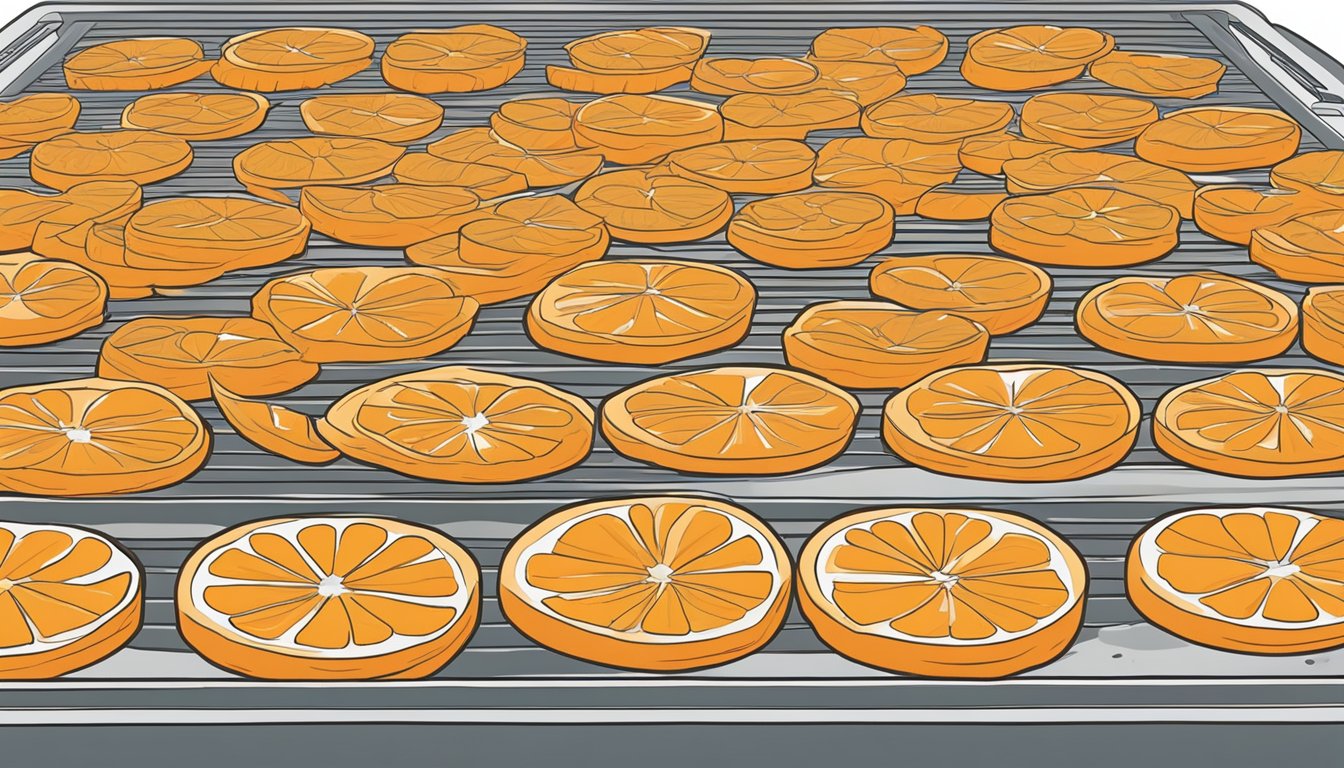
(69,597)
(1086,120)
(864,82)
(1206,317)
(487,181)
(750,167)
(812,230)
(986,153)
(728,76)
(794,116)
(734,420)
(398,118)
(947,203)
(1323,323)
(642,207)
(388,215)
(537,125)
(1247,579)
(896,170)
(229,232)
(915,51)
(1026,57)
(329,598)
(365,314)
(1020,423)
(461,425)
(934,119)
(472,57)
(270,166)
(1085,227)
(1232,213)
(636,81)
(632,129)
(1306,249)
(96,437)
(197,116)
(43,301)
(291,58)
(650,49)
(139,64)
(36,117)
(273,428)
(1003,295)
(664,583)
(874,345)
(478,146)
(1317,175)
(1052,171)
(1159,74)
(644,311)
(1208,140)
(1273,422)
(969,593)
(143,157)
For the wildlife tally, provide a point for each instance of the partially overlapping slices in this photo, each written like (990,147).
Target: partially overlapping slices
(791,116)
(726,76)
(1232,212)
(753,166)
(1306,249)
(896,170)
(1050,171)
(480,146)
(389,215)
(633,129)
(649,207)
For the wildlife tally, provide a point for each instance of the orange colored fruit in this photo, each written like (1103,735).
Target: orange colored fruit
(915,50)
(1084,227)
(938,592)
(986,153)
(487,181)
(1306,249)
(809,230)
(472,57)
(268,167)
(632,129)
(630,61)
(31,220)
(138,64)
(1318,175)
(1052,171)
(1003,295)
(536,125)
(397,118)
(1170,75)
(388,215)
(1026,57)
(197,116)
(34,118)
(732,420)
(1323,323)
(777,75)
(793,116)
(1232,213)
(101,249)
(1086,120)
(947,203)
(291,58)
(644,207)
(644,311)
(570,79)
(1212,139)
(896,170)
(863,81)
(43,301)
(329,598)
(143,157)
(228,232)
(273,428)
(933,119)
(479,146)
(753,166)
(663,584)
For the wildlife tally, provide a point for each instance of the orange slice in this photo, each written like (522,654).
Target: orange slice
(472,57)
(31,119)
(1273,422)
(965,593)
(896,170)
(770,116)
(552,169)
(733,420)
(388,215)
(1232,213)
(462,425)
(128,275)
(143,157)
(631,129)
(642,311)
(1084,227)
(1020,423)
(630,61)
(664,584)
(96,437)
(71,597)
(1208,139)
(874,345)
(1306,249)
(36,221)
(43,301)
(197,116)
(1247,579)
(138,64)
(752,166)
(986,153)
(1170,75)
(229,232)
(1003,295)
(934,119)
(1069,168)
(1318,175)
(398,118)
(642,207)
(487,181)
(863,81)
(1323,323)
(1086,120)
(1206,317)
(536,125)
(1026,57)
(365,314)
(329,598)
(812,230)
(777,75)
(271,166)
(570,79)
(947,203)
(915,50)
(273,428)
(291,58)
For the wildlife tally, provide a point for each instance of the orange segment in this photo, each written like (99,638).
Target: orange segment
(291,58)
(1003,295)
(750,167)
(143,157)
(1026,57)
(1232,213)
(472,57)
(197,116)
(1086,120)
(487,181)
(43,301)
(915,50)
(1208,140)
(812,229)
(736,421)
(728,76)
(536,125)
(27,120)
(1021,423)
(646,312)
(947,203)
(398,118)
(273,428)
(986,153)
(1058,170)
(934,119)
(632,129)
(770,116)
(1318,175)
(896,170)
(1084,227)
(139,64)
(552,169)
(271,166)
(643,207)
(388,215)
(863,81)
(1323,323)
(228,232)
(1159,74)
(1306,249)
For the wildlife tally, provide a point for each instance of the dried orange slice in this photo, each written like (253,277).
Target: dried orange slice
(1323,323)
(462,425)
(968,593)
(1084,227)
(752,166)
(143,157)
(43,301)
(769,116)
(1248,579)
(1206,317)
(1212,139)
(571,79)
(772,74)
(933,119)
(896,170)
(630,61)
(643,207)
(664,584)
(1273,422)
(271,166)
(1022,423)
(398,118)
(273,428)
(388,215)
(1318,175)
(1306,249)
(1170,75)
(138,64)
(36,221)
(329,598)
(365,314)
(472,57)
(874,345)
(1073,168)
(551,169)
(947,203)
(632,129)
(642,311)
(863,81)
(808,230)
(291,58)
(197,116)
(1231,213)
(230,232)
(27,120)
(96,437)
(1026,57)
(915,50)
(71,597)
(487,181)
(101,249)
(1003,295)
(733,420)
(537,125)
(986,153)
(1086,120)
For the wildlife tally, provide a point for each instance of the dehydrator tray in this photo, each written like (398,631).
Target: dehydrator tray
(1119,670)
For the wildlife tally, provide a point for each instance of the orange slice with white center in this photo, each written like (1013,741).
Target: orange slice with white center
(812,230)
(794,116)
(1084,227)
(1171,75)
(271,166)
(644,207)
(138,64)
(1232,213)
(630,61)
(197,116)
(273,428)
(472,57)
(143,157)
(750,167)
(915,50)
(1209,140)
(291,58)
(1305,249)
(728,76)
(948,203)
(43,301)
(1052,171)
(934,119)
(896,170)
(487,181)
(1001,294)
(1317,175)
(1031,56)
(34,118)
(632,129)
(388,215)
(986,153)
(478,146)
(536,125)
(225,232)
(1323,323)
(1086,120)
(398,118)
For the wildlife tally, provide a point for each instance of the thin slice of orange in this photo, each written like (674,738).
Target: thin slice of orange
(637,82)
(487,181)
(43,301)
(1026,57)
(1086,120)
(1271,422)
(876,345)
(101,249)
(462,425)
(143,157)
(31,220)
(1323,323)
(1212,139)
(34,118)
(138,64)
(664,584)
(769,116)
(962,593)
(329,598)
(1305,249)
(934,119)
(1052,171)
(271,166)
(650,49)
(1231,212)
(230,232)
(1003,295)
(915,50)
(1021,423)
(1318,175)
(732,420)
(1171,75)
(197,116)
(472,57)
(777,75)
(948,203)
(388,215)
(896,170)
(292,58)
(1084,227)
(550,169)
(365,314)
(398,118)
(863,81)
(808,230)
(1205,317)
(273,428)
(644,207)
(642,311)
(537,125)
(986,153)
(753,166)
(97,437)
(632,129)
